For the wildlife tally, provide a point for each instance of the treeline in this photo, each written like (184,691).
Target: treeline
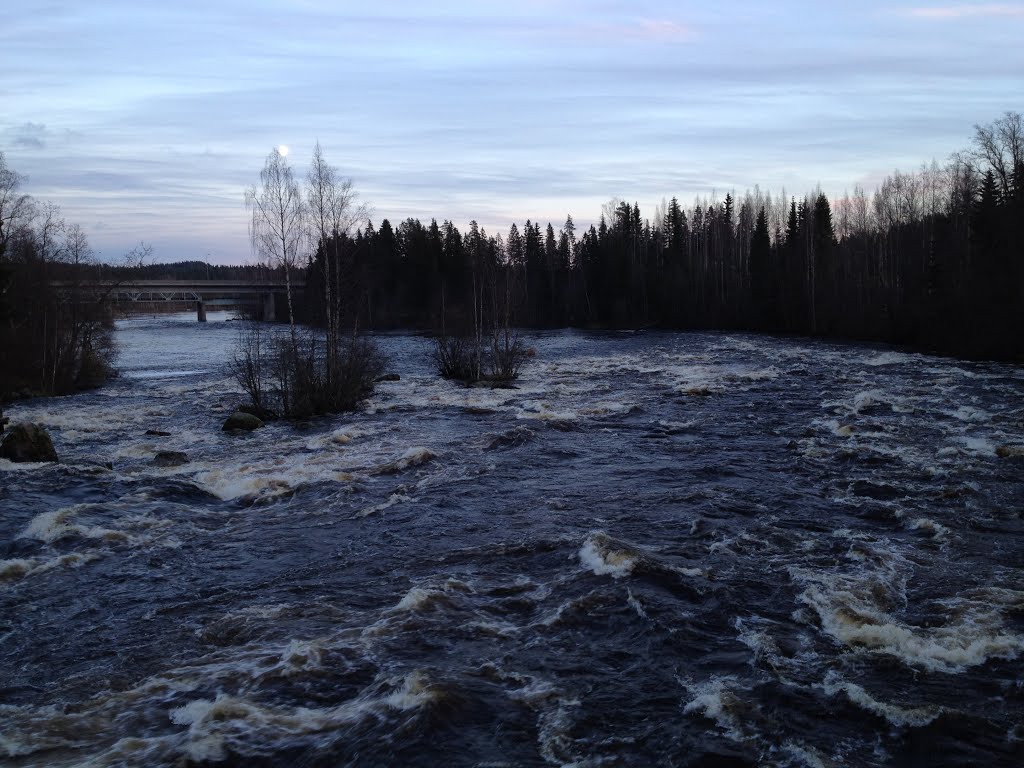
(932,258)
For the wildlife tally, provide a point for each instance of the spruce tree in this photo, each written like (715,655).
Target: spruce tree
(760,273)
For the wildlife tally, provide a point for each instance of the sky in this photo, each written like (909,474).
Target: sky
(147,121)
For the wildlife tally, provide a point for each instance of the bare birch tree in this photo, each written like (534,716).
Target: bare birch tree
(16,208)
(301,380)
(333,210)
(278,226)
(1000,146)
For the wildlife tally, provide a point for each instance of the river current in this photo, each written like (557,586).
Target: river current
(659,549)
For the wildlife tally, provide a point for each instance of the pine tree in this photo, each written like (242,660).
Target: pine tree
(760,273)
(822,265)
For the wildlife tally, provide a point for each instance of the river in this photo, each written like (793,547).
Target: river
(659,549)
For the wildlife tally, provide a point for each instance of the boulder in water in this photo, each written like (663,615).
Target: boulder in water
(157,433)
(240,421)
(27,442)
(170,459)
(388,377)
(263,414)
(1010,451)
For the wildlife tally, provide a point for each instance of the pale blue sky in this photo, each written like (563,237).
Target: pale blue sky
(146,121)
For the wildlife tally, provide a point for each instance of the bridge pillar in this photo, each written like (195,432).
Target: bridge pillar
(269,313)
(200,311)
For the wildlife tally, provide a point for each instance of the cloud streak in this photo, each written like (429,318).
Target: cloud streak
(948,12)
(637,31)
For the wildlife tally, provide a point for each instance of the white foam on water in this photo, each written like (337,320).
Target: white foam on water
(337,438)
(300,656)
(971,414)
(270,611)
(72,422)
(569,607)
(417,598)
(6,465)
(677,425)
(888,358)
(914,717)
(415,692)
(604,408)
(491,628)
(136,530)
(696,379)
(413,457)
(236,722)
(245,481)
(869,399)
(554,728)
(716,699)
(535,691)
(938,532)
(636,605)
(50,526)
(393,499)
(759,641)
(978,445)
(541,411)
(598,555)
(18,742)
(269,478)
(857,610)
(423,392)
(805,755)
(761,374)
(17,568)
(429,596)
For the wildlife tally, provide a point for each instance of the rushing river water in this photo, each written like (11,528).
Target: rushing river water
(660,549)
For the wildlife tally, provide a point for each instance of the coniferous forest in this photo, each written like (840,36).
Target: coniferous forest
(932,259)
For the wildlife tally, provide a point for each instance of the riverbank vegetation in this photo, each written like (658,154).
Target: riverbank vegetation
(55,316)
(482,345)
(302,373)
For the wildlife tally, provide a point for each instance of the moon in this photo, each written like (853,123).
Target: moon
(283,149)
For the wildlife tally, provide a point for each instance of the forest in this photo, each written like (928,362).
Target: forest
(932,259)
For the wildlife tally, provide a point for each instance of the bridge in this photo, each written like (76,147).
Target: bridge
(203,294)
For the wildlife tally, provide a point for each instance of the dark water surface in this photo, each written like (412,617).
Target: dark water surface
(661,549)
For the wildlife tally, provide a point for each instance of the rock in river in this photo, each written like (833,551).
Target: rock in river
(170,459)
(241,421)
(27,442)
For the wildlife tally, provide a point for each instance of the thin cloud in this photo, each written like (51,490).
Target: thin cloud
(29,136)
(640,30)
(1005,10)
(660,31)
